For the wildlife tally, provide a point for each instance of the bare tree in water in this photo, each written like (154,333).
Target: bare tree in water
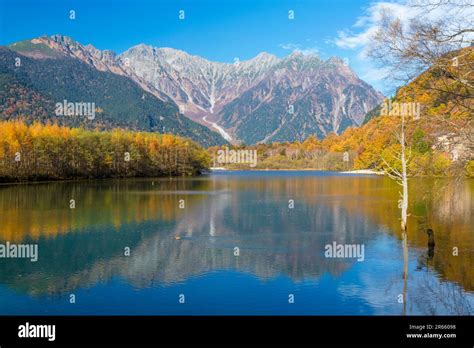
(401,178)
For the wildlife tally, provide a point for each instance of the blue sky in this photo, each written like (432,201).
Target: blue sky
(219,30)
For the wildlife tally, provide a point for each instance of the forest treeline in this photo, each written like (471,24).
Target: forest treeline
(372,146)
(52,152)
(309,154)
(353,150)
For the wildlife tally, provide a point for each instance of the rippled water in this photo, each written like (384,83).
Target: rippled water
(191,251)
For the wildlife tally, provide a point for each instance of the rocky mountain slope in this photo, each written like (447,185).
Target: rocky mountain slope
(300,96)
(47,75)
(263,99)
(260,100)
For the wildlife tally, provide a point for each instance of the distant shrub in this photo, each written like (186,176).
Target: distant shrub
(470,169)
(441,164)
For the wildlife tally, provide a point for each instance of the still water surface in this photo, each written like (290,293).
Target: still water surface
(191,251)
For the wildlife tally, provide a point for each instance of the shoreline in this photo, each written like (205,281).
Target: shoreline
(359,171)
(204,172)
(72,180)
(363,171)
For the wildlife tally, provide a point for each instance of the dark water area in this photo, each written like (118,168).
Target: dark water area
(237,243)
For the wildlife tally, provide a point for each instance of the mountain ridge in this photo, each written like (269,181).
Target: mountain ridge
(245,101)
(33,89)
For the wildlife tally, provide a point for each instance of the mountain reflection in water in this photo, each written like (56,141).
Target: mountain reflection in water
(281,250)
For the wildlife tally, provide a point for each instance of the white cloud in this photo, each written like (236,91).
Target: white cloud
(289,46)
(347,40)
(359,36)
(369,23)
(373,74)
(305,49)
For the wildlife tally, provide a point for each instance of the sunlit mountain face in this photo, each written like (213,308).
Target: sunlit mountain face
(264,99)
(193,250)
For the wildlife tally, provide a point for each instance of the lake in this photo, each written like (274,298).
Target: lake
(237,243)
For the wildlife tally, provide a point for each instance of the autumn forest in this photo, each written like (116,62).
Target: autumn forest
(52,152)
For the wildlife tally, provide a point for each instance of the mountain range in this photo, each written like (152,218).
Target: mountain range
(264,99)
